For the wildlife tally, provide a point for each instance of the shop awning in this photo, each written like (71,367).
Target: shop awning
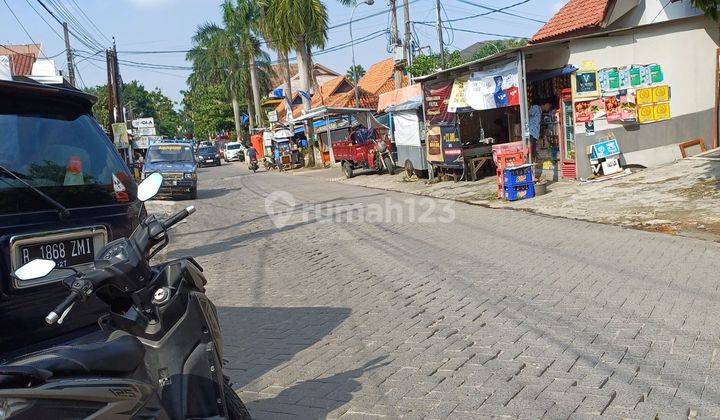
(405,106)
(316,124)
(399,96)
(543,75)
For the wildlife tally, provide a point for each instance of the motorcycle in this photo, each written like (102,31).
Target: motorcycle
(383,157)
(158,353)
(254,165)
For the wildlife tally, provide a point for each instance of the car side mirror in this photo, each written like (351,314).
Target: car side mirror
(149,187)
(35,269)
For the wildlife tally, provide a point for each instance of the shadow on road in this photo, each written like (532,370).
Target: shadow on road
(257,340)
(310,403)
(218,192)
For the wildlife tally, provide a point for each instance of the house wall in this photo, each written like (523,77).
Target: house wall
(654,11)
(687,52)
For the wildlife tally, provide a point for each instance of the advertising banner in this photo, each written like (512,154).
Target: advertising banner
(143,123)
(437,96)
(457,95)
(493,88)
(120,136)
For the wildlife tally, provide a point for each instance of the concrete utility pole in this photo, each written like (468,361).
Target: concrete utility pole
(408,36)
(440,37)
(395,41)
(69,54)
(114,86)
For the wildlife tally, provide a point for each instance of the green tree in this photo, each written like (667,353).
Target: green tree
(166,117)
(299,25)
(493,47)
(427,64)
(711,8)
(208,110)
(358,71)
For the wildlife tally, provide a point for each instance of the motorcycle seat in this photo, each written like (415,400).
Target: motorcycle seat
(103,352)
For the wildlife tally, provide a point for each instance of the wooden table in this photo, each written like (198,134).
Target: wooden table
(475,164)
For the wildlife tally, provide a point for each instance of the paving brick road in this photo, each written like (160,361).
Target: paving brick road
(339,314)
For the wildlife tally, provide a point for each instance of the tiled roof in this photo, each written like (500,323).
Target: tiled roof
(576,15)
(22,64)
(277,77)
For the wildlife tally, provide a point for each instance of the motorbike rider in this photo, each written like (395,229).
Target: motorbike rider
(252,155)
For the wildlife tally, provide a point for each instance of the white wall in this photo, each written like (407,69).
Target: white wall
(653,11)
(686,51)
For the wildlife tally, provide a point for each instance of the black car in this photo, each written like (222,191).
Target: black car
(64,193)
(208,155)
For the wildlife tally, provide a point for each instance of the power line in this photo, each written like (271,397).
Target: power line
(21,25)
(72,32)
(486,13)
(502,11)
(72,20)
(92,23)
(44,20)
(473,31)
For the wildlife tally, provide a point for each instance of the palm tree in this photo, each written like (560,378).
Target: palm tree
(215,61)
(242,19)
(358,71)
(299,25)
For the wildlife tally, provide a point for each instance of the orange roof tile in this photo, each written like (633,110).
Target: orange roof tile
(576,15)
(22,64)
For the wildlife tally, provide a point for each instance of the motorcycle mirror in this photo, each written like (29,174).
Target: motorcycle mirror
(35,269)
(149,187)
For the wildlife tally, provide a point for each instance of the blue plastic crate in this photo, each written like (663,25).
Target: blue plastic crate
(519,192)
(517,175)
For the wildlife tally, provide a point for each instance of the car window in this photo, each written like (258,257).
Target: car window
(233,146)
(169,153)
(61,151)
(208,150)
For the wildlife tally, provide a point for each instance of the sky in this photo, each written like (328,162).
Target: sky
(166,25)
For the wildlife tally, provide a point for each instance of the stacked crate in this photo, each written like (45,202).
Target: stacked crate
(515,182)
(502,162)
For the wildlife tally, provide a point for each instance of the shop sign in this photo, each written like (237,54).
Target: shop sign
(436,96)
(143,123)
(120,135)
(145,131)
(605,149)
(451,145)
(272,116)
(457,95)
(434,144)
(585,83)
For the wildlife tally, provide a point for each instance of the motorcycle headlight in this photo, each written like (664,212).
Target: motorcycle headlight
(190,175)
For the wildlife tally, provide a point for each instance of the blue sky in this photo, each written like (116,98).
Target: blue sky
(141,25)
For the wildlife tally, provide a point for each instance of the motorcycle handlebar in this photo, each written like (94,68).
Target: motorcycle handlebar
(53,316)
(178,217)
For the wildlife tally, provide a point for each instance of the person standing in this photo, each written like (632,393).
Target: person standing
(534,120)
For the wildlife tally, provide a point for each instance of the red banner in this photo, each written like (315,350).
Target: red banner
(436,96)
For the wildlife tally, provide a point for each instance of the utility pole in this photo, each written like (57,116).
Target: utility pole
(395,41)
(110,88)
(69,54)
(439,31)
(408,36)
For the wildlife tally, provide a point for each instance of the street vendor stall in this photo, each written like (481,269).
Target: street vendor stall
(468,109)
(407,127)
(290,156)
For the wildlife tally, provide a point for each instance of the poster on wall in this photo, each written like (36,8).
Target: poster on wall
(661,111)
(628,106)
(656,74)
(609,79)
(585,83)
(613,110)
(646,113)
(589,110)
(644,96)
(457,95)
(661,93)
(624,76)
(436,96)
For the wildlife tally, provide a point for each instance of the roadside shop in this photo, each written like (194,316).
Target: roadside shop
(407,127)
(470,108)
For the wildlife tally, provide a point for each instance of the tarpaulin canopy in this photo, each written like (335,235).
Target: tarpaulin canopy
(316,124)
(399,96)
(543,75)
(405,106)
